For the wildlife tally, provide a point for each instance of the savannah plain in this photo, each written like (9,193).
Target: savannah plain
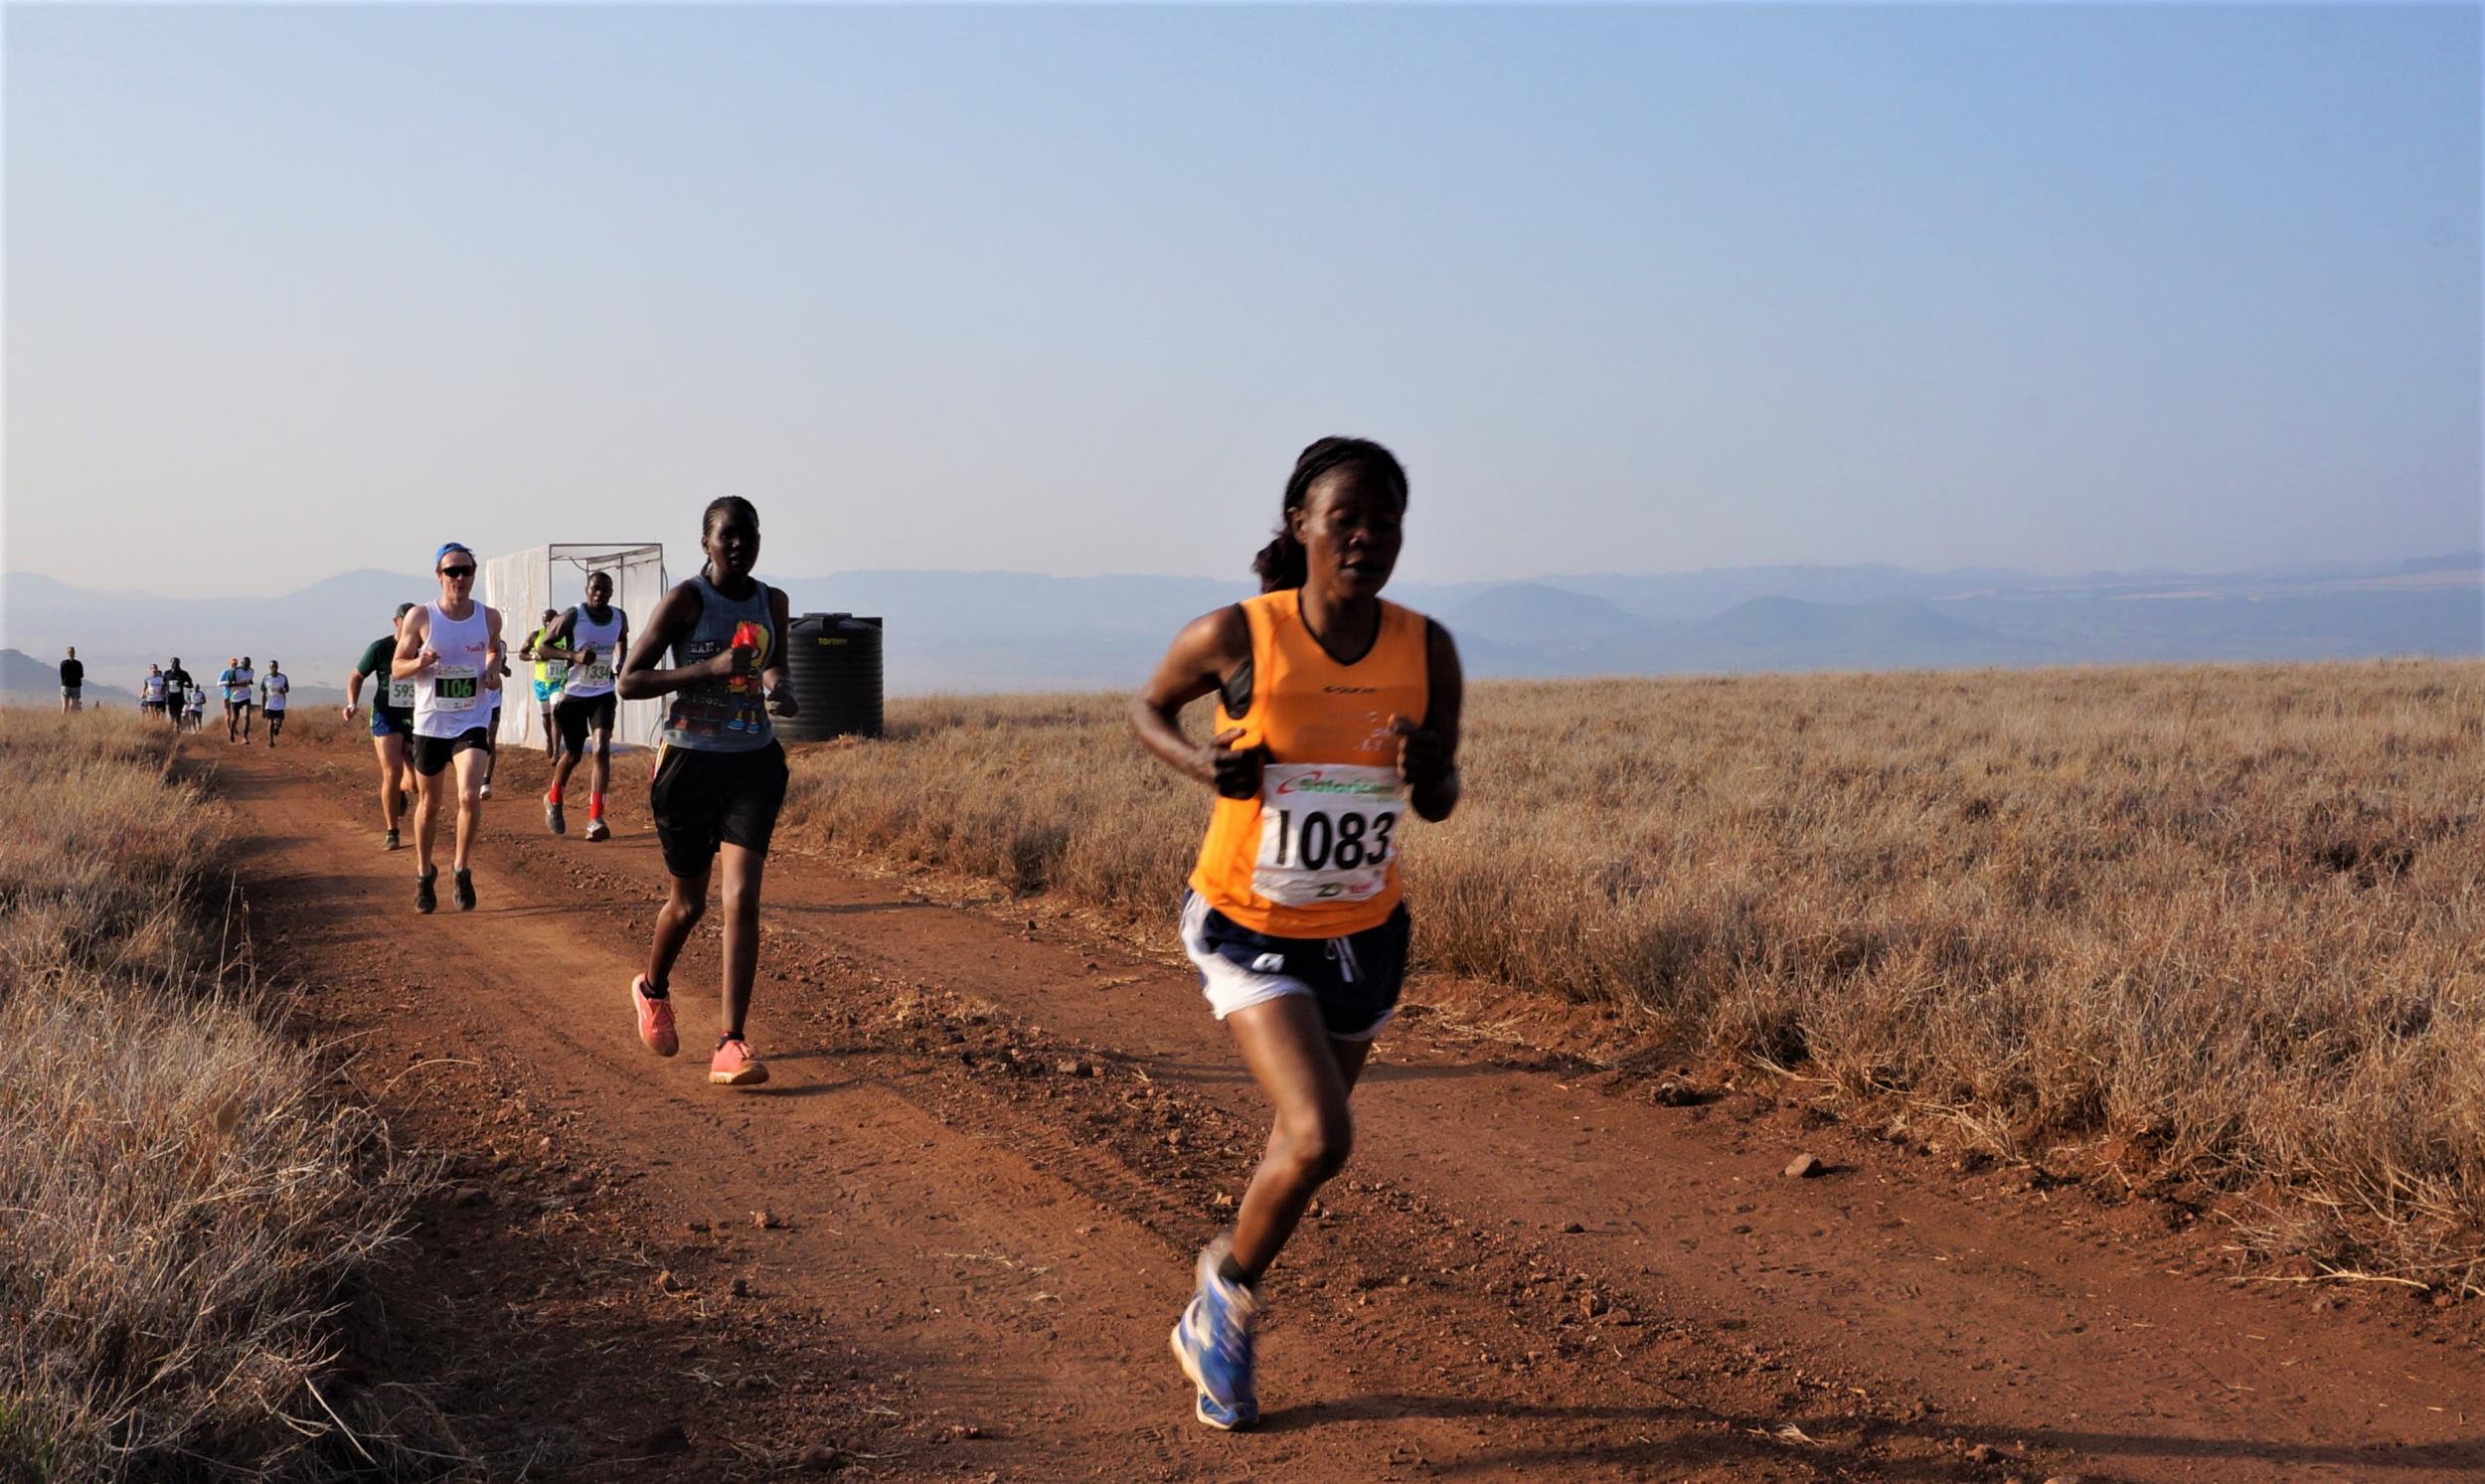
(2130,1018)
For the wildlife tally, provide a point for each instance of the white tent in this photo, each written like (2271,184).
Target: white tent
(523,583)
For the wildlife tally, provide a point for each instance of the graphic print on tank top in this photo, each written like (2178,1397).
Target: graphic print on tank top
(728,715)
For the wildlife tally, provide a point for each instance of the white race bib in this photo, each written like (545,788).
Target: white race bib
(453,687)
(1328,832)
(401,694)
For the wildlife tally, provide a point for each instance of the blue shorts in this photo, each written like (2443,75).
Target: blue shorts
(545,693)
(386,722)
(1353,979)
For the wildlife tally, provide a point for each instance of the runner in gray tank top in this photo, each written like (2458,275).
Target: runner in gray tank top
(720,775)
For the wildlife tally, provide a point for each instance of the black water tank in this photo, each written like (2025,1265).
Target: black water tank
(833,665)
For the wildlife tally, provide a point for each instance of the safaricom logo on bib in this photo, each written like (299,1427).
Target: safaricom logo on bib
(1316,783)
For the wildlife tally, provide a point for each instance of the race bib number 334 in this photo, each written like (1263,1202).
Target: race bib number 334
(1327,832)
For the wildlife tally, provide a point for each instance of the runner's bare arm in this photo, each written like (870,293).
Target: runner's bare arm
(1209,648)
(413,646)
(551,647)
(640,678)
(496,655)
(772,677)
(1428,754)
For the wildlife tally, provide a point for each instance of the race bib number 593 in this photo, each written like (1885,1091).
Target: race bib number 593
(1327,832)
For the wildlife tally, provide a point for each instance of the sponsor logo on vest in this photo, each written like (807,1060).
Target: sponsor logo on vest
(1316,783)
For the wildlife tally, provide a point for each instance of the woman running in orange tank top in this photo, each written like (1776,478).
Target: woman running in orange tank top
(1337,716)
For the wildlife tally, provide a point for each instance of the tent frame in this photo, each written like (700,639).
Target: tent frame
(523,582)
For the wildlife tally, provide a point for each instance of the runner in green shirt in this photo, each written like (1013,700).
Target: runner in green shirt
(550,676)
(392,719)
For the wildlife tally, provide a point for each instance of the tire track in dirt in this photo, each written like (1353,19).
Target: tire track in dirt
(1524,1270)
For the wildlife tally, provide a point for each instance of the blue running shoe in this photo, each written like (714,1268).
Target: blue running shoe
(1213,1341)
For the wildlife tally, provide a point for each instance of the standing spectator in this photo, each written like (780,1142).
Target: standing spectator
(72,681)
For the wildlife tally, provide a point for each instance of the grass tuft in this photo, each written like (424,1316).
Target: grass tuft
(179,1205)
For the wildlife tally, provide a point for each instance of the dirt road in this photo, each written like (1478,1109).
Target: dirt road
(993,1142)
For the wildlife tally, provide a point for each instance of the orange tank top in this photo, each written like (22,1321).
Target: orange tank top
(1315,854)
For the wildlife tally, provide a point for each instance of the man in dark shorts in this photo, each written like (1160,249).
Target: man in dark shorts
(177,688)
(73,683)
(452,651)
(392,719)
(588,642)
(241,701)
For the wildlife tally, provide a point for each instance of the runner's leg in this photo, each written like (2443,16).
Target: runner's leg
(1309,1077)
(681,911)
(598,778)
(743,872)
(390,751)
(428,790)
(472,767)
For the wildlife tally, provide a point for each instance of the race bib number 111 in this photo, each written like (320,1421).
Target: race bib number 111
(1327,832)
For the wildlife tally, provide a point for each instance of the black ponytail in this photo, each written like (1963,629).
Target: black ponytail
(1283,563)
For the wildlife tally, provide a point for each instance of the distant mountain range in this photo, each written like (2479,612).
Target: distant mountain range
(1017,631)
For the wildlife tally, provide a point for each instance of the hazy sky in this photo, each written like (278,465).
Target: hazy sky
(292,291)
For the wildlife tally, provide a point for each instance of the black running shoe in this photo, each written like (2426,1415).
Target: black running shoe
(464,891)
(390,843)
(425,898)
(553,819)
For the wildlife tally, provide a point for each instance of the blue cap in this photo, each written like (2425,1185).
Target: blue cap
(447,546)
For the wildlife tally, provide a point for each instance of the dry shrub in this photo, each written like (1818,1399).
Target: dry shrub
(2201,926)
(178,1205)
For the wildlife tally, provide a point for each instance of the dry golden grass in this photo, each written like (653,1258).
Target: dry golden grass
(2216,931)
(178,1205)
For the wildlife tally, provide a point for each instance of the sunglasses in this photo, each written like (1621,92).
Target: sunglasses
(457,571)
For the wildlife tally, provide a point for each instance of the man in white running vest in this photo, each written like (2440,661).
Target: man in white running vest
(590,642)
(452,651)
(275,693)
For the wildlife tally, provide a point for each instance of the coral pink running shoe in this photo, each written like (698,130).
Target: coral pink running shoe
(655,1019)
(735,1064)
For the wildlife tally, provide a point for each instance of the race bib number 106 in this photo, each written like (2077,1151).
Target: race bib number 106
(453,687)
(1327,832)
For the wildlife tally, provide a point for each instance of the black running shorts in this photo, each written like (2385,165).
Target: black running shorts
(704,799)
(576,718)
(429,754)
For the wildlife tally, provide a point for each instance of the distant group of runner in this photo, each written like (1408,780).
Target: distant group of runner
(1337,715)
(172,694)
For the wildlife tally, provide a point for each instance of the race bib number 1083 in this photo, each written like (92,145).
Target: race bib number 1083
(1327,832)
